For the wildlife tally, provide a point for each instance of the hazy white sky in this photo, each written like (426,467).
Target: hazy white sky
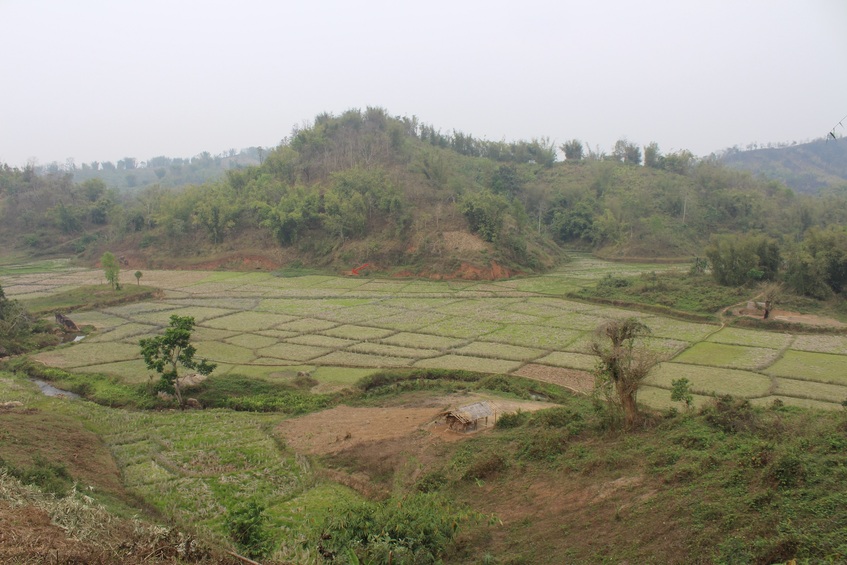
(103,80)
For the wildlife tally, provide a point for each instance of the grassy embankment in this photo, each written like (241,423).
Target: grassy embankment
(728,482)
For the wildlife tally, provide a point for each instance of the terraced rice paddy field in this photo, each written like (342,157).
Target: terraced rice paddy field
(341,328)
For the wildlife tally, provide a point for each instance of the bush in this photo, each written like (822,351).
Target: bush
(431,482)
(246,527)
(418,528)
(50,477)
(563,418)
(543,445)
(512,420)
(484,466)
(788,471)
(730,415)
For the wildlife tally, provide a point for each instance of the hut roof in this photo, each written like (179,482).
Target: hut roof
(472,412)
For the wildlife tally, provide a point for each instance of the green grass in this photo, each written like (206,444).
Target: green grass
(733,356)
(711,380)
(427,341)
(803,365)
(673,290)
(468,363)
(752,338)
(87,297)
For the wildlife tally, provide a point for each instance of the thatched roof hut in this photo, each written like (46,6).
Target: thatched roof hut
(467,418)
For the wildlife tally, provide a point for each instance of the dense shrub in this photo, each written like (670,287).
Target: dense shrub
(246,526)
(485,465)
(50,477)
(731,415)
(418,528)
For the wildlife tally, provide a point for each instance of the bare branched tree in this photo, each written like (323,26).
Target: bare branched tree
(624,363)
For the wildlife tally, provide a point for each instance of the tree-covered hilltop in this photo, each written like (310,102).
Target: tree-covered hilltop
(397,194)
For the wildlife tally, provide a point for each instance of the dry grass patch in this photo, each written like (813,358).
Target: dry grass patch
(836,344)
(248,321)
(363,333)
(124,331)
(677,329)
(322,341)
(295,307)
(540,307)
(131,372)
(270,362)
(805,403)
(83,354)
(409,320)
(97,319)
(751,338)
(808,389)
(251,341)
(200,314)
(461,327)
(351,359)
(711,380)
(573,379)
(393,350)
(499,351)
(356,314)
(467,363)
(575,321)
(307,325)
(660,398)
(292,351)
(568,359)
(534,336)
(220,352)
(278,335)
(426,341)
(804,365)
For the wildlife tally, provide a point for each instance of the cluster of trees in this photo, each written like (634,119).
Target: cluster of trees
(815,266)
(15,325)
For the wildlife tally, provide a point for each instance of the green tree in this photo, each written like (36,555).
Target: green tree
(484,212)
(506,180)
(111,269)
(741,259)
(138,275)
(573,150)
(15,324)
(652,156)
(166,353)
(627,152)
(681,391)
(624,363)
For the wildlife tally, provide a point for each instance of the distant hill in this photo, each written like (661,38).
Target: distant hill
(808,167)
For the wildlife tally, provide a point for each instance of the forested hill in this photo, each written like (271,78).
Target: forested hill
(808,167)
(404,198)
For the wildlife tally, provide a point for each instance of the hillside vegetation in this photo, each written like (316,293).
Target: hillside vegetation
(806,167)
(401,197)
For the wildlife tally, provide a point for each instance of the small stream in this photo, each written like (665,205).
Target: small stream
(50,390)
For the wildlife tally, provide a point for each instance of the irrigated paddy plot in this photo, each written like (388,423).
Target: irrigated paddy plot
(262,325)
